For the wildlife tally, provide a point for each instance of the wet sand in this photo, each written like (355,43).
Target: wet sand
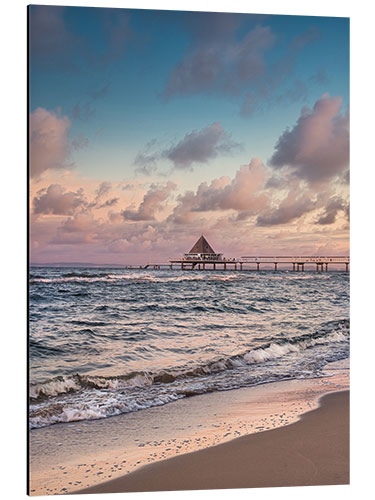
(312,451)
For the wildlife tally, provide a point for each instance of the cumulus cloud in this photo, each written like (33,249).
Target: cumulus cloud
(49,143)
(293,206)
(55,200)
(242,193)
(317,147)
(153,202)
(329,215)
(199,146)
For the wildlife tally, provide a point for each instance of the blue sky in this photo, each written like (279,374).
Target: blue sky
(132,84)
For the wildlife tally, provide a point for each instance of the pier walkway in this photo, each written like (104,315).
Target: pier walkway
(250,263)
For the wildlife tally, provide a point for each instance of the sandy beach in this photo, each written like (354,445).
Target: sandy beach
(312,451)
(124,453)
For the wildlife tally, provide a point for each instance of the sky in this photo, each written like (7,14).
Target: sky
(149,128)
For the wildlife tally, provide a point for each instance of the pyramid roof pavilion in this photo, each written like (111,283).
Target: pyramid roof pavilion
(202,246)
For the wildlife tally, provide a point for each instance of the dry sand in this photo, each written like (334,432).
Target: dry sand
(65,458)
(312,451)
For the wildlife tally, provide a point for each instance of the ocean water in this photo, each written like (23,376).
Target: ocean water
(110,341)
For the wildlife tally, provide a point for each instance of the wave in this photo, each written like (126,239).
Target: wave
(268,352)
(84,275)
(136,277)
(85,397)
(73,383)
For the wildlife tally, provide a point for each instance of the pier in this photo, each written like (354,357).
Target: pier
(321,264)
(203,257)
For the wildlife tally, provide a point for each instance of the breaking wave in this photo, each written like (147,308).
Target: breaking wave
(92,397)
(136,277)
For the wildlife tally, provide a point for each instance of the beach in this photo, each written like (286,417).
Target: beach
(202,441)
(312,451)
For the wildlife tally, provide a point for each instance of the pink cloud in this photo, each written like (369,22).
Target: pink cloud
(242,193)
(82,228)
(317,148)
(153,202)
(294,205)
(55,200)
(334,206)
(49,144)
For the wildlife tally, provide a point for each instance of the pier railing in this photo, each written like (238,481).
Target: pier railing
(299,259)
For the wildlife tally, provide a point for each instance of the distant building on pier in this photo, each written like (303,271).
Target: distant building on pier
(203,251)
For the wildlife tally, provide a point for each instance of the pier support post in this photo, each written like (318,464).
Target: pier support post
(257,266)
(214,266)
(326,266)
(240,266)
(317,267)
(204,266)
(225,266)
(303,267)
(346,267)
(294,266)
(275,266)
(182,266)
(235,266)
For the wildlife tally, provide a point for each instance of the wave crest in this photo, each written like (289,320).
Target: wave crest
(75,383)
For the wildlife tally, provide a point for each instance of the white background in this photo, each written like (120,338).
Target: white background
(13,242)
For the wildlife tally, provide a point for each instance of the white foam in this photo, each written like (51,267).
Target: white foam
(54,387)
(275,351)
(148,277)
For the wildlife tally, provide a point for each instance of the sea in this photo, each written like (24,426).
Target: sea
(104,342)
